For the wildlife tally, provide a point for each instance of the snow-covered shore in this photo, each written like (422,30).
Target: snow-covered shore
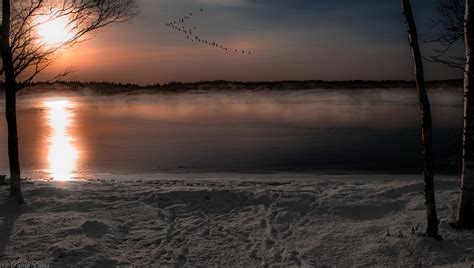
(309,222)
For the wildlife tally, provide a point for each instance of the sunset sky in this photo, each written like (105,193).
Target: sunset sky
(289,39)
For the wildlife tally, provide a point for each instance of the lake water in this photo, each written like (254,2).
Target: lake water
(322,131)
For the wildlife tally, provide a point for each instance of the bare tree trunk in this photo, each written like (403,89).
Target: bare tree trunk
(426,122)
(465,218)
(10,104)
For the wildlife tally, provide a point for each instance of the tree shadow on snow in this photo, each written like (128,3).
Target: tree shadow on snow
(10,211)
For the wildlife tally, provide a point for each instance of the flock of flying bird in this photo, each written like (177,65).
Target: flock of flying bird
(190,32)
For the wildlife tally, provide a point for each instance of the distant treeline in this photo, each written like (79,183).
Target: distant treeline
(221,85)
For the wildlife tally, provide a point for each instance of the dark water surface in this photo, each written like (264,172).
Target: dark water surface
(374,130)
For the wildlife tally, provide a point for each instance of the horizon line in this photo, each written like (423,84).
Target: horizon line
(158,84)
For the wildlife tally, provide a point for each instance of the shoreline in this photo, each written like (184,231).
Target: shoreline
(38,177)
(109,88)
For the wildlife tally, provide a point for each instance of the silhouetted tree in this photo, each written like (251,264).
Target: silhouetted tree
(426,122)
(456,19)
(24,56)
(465,217)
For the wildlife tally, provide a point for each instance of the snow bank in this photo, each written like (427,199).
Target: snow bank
(321,221)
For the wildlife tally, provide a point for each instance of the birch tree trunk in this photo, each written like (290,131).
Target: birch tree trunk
(10,104)
(426,122)
(465,217)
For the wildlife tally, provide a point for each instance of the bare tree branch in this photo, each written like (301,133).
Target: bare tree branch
(452,64)
(31,55)
(449,29)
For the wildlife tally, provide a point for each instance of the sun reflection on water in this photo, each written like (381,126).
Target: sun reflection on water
(62,153)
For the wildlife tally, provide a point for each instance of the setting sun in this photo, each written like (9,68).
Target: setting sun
(54,31)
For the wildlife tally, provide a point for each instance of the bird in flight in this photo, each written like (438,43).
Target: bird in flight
(190,31)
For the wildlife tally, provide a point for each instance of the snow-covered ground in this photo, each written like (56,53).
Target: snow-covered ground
(251,221)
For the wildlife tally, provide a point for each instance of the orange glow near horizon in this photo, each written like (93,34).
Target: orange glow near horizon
(62,153)
(54,31)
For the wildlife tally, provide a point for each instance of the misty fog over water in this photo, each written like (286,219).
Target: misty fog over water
(323,131)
